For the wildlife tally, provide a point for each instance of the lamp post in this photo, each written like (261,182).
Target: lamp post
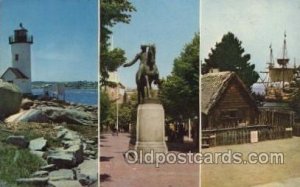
(117,104)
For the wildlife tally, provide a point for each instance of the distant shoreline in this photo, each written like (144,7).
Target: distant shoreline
(86,96)
(68,84)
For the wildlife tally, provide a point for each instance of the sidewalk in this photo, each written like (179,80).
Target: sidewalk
(115,172)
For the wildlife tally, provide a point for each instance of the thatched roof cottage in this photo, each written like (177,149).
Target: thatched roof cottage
(226,102)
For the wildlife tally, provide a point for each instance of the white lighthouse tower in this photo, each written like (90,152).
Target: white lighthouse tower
(20,71)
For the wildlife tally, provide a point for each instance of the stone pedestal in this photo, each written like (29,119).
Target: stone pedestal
(150,132)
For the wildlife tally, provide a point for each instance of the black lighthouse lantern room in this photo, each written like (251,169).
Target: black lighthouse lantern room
(20,36)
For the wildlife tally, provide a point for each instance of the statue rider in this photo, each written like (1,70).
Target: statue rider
(147,71)
(142,56)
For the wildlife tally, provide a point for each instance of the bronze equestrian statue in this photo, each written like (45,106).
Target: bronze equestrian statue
(147,72)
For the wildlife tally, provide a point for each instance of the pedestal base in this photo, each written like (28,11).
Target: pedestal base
(151,128)
(147,147)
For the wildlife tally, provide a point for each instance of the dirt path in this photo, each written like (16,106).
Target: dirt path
(256,174)
(115,172)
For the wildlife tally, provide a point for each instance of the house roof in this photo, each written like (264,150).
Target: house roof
(213,85)
(16,72)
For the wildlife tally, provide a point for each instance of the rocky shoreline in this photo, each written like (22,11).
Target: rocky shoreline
(55,111)
(74,163)
(73,160)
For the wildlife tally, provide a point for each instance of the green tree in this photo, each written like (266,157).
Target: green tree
(112,116)
(104,108)
(126,114)
(111,13)
(125,117)
(228,55)
(132,105)
(180,91)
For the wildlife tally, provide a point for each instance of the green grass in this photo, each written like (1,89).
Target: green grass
(31,134)
(17,163)
(30,131)
(85,131)
(20,163)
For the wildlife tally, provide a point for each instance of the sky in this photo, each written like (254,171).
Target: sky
(257,23)
(168,24)
(65,36)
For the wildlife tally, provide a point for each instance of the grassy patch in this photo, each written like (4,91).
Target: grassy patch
(17,163)
(35,130)
(85,131)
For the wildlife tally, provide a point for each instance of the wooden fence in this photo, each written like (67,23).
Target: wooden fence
(296,129)
(272,124)
(276,117)
(243,135)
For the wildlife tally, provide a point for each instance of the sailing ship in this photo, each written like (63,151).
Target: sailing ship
(281,84)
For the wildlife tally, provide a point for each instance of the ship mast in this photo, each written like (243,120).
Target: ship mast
(284,50)
(270,65)
(284,60)
(271,62)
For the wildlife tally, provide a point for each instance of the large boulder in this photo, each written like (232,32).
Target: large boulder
(69,116)
(11,98)
(46,114)
(31,115)
(53,112)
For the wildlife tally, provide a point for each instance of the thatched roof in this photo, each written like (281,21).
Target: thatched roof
(213,85)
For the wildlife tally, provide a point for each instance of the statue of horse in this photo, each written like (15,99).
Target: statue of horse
(149,73)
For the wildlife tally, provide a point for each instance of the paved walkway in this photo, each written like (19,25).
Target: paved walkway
(115,172)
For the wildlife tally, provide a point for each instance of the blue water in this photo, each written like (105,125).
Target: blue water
(79,96)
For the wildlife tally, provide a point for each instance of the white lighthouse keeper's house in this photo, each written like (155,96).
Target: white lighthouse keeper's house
(20,72)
